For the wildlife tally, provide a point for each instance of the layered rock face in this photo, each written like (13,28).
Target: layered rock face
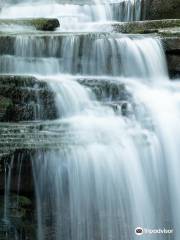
(172,46)
(21,143)
(23,98)
(161,9)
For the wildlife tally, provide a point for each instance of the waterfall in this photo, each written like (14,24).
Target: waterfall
(117,165)
(101,174)
(162,103)
(75,15)
(87,55)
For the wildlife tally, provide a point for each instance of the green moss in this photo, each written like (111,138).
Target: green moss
(22,200)
(4,102)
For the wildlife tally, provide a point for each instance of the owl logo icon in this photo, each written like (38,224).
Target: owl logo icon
(139,231)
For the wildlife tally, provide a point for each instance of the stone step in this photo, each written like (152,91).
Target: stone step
(135,27)
(47,44)
(149,26)
(43,24)
(43,44)
(50,134)
(21,81)
(26,98)
(39,50)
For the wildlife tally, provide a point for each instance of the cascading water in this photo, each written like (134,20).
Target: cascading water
(110,190)
(75,15)
(114,170)
(102,54)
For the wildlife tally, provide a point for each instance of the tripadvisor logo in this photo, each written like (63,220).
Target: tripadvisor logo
(139,231)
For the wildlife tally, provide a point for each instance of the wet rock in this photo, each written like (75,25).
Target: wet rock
(42,24)
(17,216)
(161,9)
(152,26)
(33,136)
(24,98)
(7,45)
(172,49)
(19,223)
(171,44)
(126,108)
(21,81)
(174,65)
(169,32)
(5,104)
(123,108)
(105,89)
(17,166)
(22,201)
(45,24)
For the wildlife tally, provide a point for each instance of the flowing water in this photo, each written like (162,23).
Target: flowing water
(76,15)
(118,164)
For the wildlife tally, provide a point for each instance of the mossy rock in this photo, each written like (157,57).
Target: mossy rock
(42,24)
(169,32)
(142,27)
(22,200)
(5,104)
(21,218)
(45,24)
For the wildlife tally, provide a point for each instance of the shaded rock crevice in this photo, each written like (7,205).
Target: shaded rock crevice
(17,206)
(24,98)
(172,50)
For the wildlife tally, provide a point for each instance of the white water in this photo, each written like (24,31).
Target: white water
(74,16)
(87,55)
(114,172)
(116,168)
